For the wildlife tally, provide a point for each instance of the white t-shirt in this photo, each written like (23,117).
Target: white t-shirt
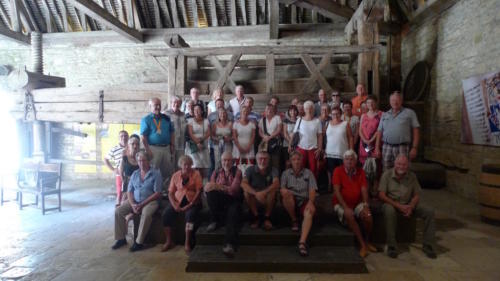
(244,137)
(336,140)
(236,105)
(309,131)
(270,124)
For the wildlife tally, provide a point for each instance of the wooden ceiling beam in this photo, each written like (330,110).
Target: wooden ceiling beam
(15,19)
(262,50)
(27,16)
(15,36)
(95,11)
(213,13)
(175,16)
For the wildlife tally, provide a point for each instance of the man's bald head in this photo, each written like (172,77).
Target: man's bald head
(155,105)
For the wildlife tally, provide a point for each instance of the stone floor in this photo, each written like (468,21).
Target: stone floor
(75,245)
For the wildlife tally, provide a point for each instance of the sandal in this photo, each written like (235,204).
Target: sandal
(255,222)
(303,249)
(295,226)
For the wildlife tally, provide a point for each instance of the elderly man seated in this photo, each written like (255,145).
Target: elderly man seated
(260,184)
(298,191)
(400,191)
(143,193)
(224,201)
(350,200)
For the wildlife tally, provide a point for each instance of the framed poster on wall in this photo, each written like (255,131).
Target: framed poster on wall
(481,109)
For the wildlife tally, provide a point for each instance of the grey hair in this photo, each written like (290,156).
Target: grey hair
(176,98)
(350,153)
(308,104)
(133,139)
(143,154)
(226,154)
(183,159)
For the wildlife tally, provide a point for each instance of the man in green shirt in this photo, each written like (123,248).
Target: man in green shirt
(400,191)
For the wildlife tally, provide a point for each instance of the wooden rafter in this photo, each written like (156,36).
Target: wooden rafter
(156,10)
(243,12)
(234,21)
(229,81)
(130,13)
(55,14)
(226,73)
(274,14)
(195,13)
(15,19)
(5,16)
(325,61)
(64,16)
(175,16)
(27,16)
(14,36)
(213,13)
(327,8)
(253,12)
(92,9)
(166,14)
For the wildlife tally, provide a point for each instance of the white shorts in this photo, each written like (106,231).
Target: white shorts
(339,210)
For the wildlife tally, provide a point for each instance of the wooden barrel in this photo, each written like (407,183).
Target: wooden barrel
(489,193)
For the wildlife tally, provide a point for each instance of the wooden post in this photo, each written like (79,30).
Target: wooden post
(368,62)
(270,74)
(181,75)
(274,17)
(171,76)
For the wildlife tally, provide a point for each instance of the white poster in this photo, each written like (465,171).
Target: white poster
(481,110)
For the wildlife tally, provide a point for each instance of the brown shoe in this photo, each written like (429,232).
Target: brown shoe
(371,248)
(363,252)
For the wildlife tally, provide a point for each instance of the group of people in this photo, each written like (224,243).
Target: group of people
(259,159)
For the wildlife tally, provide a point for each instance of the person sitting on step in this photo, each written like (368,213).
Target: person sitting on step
(350,200)
(144,190)
(298,191)
(184,196)
(224,200)
(400,191)
(260,184)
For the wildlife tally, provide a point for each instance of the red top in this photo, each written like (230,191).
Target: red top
(350,187)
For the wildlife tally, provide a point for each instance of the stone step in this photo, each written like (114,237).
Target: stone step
(205,258)
(328,235)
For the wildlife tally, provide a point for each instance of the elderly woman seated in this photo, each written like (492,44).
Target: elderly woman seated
(224,199)
(184,196)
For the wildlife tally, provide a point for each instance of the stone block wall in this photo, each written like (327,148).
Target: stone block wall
(460,43)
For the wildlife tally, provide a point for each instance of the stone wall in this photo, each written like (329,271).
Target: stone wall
(460,43)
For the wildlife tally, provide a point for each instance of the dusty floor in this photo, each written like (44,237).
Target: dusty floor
(75,245)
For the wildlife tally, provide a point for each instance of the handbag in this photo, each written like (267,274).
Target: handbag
(296,137)
(273,144)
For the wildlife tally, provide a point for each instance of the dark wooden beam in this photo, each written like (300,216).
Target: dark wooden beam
(14,36)
(431,9)
(166,13)
(183,12)
(263,50)
(327,8)
(156,9)
(92,9)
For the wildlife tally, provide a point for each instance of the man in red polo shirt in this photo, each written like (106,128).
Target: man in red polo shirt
(350,200)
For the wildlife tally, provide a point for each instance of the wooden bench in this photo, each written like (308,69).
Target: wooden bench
(39,179)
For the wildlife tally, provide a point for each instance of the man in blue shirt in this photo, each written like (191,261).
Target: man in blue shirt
(158,138)
(144,190)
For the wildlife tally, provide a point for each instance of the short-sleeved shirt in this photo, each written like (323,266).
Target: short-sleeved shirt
(115,155)
(142,189)
(198,102)
(356,104)
(157,129)
(271,125)
(236,105)
(309,131)
(252,116)
(401,191)
(214,116)
(260,181)
(398,129)
(188,189)
(180,122)
(350,186)
(299,184)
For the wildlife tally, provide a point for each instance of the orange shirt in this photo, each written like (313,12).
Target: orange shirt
(189,189)
(356,104)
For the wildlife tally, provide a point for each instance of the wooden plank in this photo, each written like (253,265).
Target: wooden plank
(253,12)
(293,14)
(64,15)
(137,19)
(156,9)
(15,20)
(130,13)
(175,16)
(17,37)
(46,15)
(431,9)
(213,13)
(288,60)
(83,20)
(243,12)
(181,75)
(270,71)
(325,61)
(55,14)
(166,13)
(216,63)
(315,73)
(171,75)
(274,12)
(314,16)
(195,13)
(234,22)
(262,50)
(92,9)
(227,72)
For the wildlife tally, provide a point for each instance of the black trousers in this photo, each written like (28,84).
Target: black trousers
(225,209)
(170,214)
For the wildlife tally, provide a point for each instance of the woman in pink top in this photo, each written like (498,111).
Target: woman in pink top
(368,129)
(184,196)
